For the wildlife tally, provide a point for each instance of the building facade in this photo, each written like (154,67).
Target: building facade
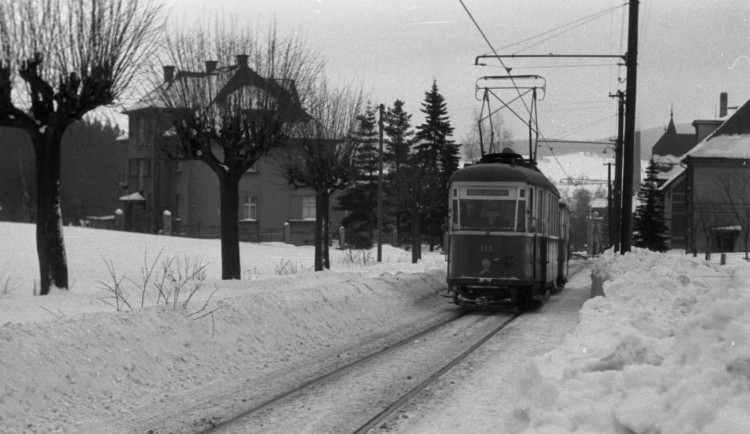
(707,193)
(270,209)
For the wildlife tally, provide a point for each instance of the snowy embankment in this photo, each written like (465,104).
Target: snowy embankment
(71,360)
(667,349)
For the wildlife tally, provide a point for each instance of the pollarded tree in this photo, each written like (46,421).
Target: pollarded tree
(60,59)
(323,155)
(228,117)
(649,229)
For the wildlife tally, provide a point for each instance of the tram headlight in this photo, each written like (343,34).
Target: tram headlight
(486,263)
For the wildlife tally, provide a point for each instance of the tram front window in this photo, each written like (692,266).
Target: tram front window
(488,214)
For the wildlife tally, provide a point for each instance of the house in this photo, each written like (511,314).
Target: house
(270,209)
(707,195)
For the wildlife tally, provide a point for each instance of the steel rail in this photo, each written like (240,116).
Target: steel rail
(223,424)
(372,423)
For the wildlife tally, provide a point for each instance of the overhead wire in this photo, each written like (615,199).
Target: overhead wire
(495,52)
(591,18)
(594,15)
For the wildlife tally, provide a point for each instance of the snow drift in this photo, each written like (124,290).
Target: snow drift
(666,349)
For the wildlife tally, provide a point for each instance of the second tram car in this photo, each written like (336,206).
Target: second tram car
(507,233)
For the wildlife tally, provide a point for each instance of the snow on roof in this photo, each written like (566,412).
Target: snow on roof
(133,197)
(671,176)
(735,146)
(730,140)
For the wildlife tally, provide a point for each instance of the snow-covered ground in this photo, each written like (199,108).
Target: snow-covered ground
(666,350)
(587,170)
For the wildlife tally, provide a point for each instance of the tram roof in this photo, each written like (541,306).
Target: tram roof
(503,172)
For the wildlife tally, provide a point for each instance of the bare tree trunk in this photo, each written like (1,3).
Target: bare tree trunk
(53,268)
(416,236)
(325,198)
(318,240)
(230,236)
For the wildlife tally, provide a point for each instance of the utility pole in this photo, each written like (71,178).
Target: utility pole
(617,193)
(610,207)
(381,108)
(631,64)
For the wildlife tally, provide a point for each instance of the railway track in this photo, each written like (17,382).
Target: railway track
(358,396)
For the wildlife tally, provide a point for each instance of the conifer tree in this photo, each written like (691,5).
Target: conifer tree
(361,198)
(650,231)
(398,136)
(398,132)
(435,149)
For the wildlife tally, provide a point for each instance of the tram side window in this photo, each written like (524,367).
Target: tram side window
(540,212)
(532,222)
(521,216)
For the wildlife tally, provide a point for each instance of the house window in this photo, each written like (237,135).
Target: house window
(139,167)
(133,167)
(142,131)
(308,207)
(178,206)
(249,208)
(145,164)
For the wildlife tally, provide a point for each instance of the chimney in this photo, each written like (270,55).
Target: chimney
(723,104)
(242,59)
(168,73)
(211,66)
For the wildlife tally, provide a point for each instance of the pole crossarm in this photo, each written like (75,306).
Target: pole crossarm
(528,56)
(585,142)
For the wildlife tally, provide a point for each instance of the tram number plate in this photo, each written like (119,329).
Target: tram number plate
(485,247)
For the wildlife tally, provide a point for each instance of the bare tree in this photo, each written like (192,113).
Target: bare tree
(418,198)
(704,219)
(490,132)
(735,190)
(323,157)
(60,59)
(228,117)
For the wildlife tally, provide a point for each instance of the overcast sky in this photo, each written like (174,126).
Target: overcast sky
(689,52)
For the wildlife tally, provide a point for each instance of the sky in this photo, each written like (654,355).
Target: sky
(689,52)
(666,349)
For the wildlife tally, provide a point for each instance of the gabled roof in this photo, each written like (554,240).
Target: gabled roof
(672,142)
(215,86)
(730,141)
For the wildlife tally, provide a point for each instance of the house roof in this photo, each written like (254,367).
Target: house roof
(672,142)
(730,141)
(188,89)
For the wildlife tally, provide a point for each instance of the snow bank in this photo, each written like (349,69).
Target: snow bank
(666,349)
(97,365)
(69,362)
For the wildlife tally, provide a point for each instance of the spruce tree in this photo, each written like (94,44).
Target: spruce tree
(435,149)
(361,198)
(398,137)
(650,231)
(398,134)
